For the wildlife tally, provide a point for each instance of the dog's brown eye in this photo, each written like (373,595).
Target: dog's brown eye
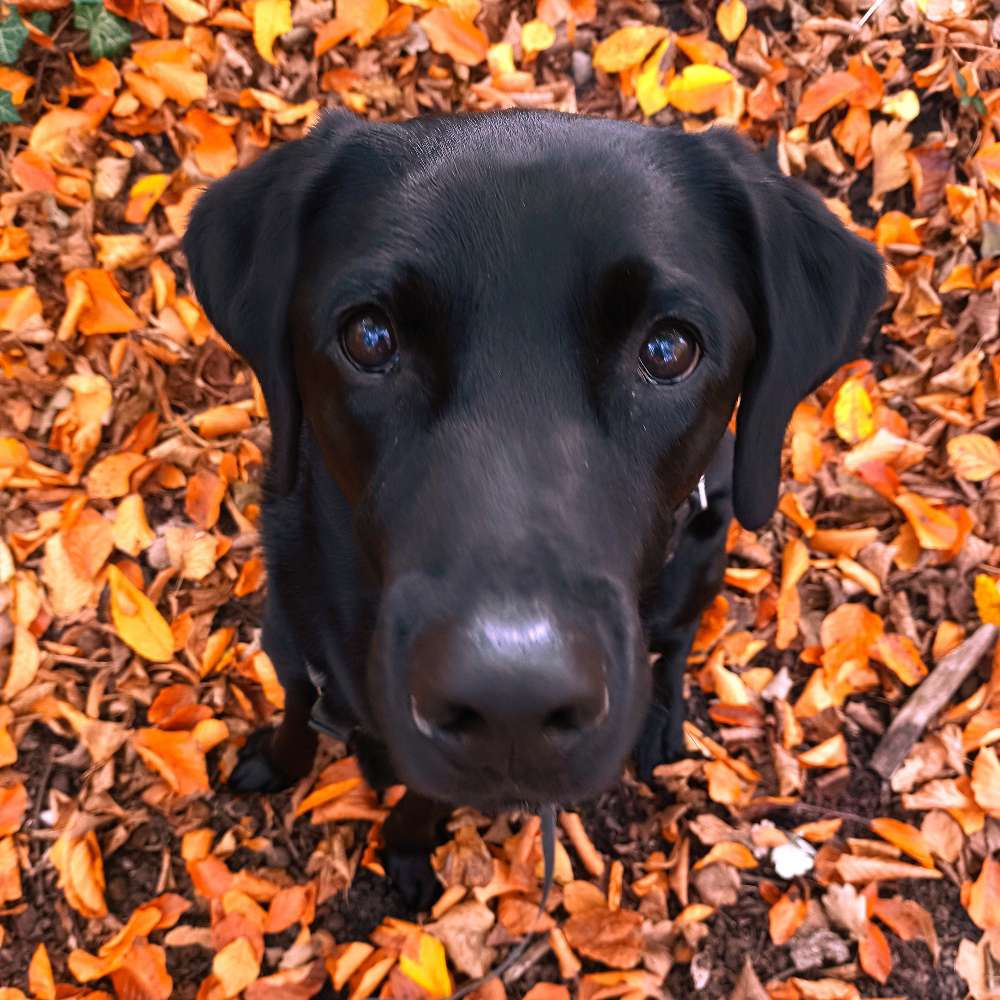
(670,352)
(369,342)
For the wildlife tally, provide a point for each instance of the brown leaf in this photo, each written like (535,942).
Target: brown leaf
(612,937)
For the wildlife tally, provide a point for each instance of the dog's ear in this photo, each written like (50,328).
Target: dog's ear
(242,245)
(817,287)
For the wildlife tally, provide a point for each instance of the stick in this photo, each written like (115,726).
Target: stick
(932,696)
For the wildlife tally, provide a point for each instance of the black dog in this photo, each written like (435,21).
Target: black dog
(498,353)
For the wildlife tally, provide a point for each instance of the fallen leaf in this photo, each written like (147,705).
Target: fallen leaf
(138,624)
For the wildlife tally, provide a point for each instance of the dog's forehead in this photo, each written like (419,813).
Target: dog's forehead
(550,192)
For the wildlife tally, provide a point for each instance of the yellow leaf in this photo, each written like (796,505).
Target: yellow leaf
(144,194)
(699,88)
(853,413)
(138,624)
(974,456)
(536,36)
(731,17)
(627,47)
(650,88)
(235,966)
(905,105)
(429,970)
(987,594)
(271,18)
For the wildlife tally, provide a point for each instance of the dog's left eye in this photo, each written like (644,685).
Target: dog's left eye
(670,352)
(367,340)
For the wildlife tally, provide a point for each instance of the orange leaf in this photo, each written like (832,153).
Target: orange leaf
(731,17)
(826,93)
(40,980)
(988,159)
(111,477)
(251,577)
(454,36)
(81,873)
(215,152)
(203,500)
(13,802)
(829,753)
(143,975)
(176,756)
(974,456)
(874,954)
(731,853)
(986,781)
(138,624)
(222,420)
(14,244)
(105,310)
(980,897)
(365,17)
(794,563)
(906,837)
(933,527)
(10,871)
(171,64)
(901,656)
(785,918)
(17,306)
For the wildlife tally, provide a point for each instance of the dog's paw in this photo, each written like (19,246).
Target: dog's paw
(255,771)
(661,742)
(413,877)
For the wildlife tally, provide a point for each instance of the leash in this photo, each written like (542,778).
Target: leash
(548,817)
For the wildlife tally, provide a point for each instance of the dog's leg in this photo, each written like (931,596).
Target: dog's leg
(414,828)
(274,759)
(691,578)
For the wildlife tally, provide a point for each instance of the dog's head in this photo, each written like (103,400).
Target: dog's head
(518,339)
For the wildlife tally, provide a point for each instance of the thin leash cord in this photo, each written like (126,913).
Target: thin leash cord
(548,817)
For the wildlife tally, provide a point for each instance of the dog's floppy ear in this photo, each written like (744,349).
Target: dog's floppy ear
(817,288)
(242,245)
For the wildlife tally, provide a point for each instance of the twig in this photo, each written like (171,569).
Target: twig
(932,696)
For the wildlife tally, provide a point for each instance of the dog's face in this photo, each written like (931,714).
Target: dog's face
(517,340)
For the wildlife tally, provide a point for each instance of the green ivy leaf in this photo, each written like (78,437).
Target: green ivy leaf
(13,35)
(109,34)
(8,113)
(42,20)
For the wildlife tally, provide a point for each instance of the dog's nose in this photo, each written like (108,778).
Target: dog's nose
(517,680)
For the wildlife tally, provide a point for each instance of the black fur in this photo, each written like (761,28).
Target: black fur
(515,458)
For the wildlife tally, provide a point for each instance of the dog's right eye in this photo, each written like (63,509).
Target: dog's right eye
(368,341)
